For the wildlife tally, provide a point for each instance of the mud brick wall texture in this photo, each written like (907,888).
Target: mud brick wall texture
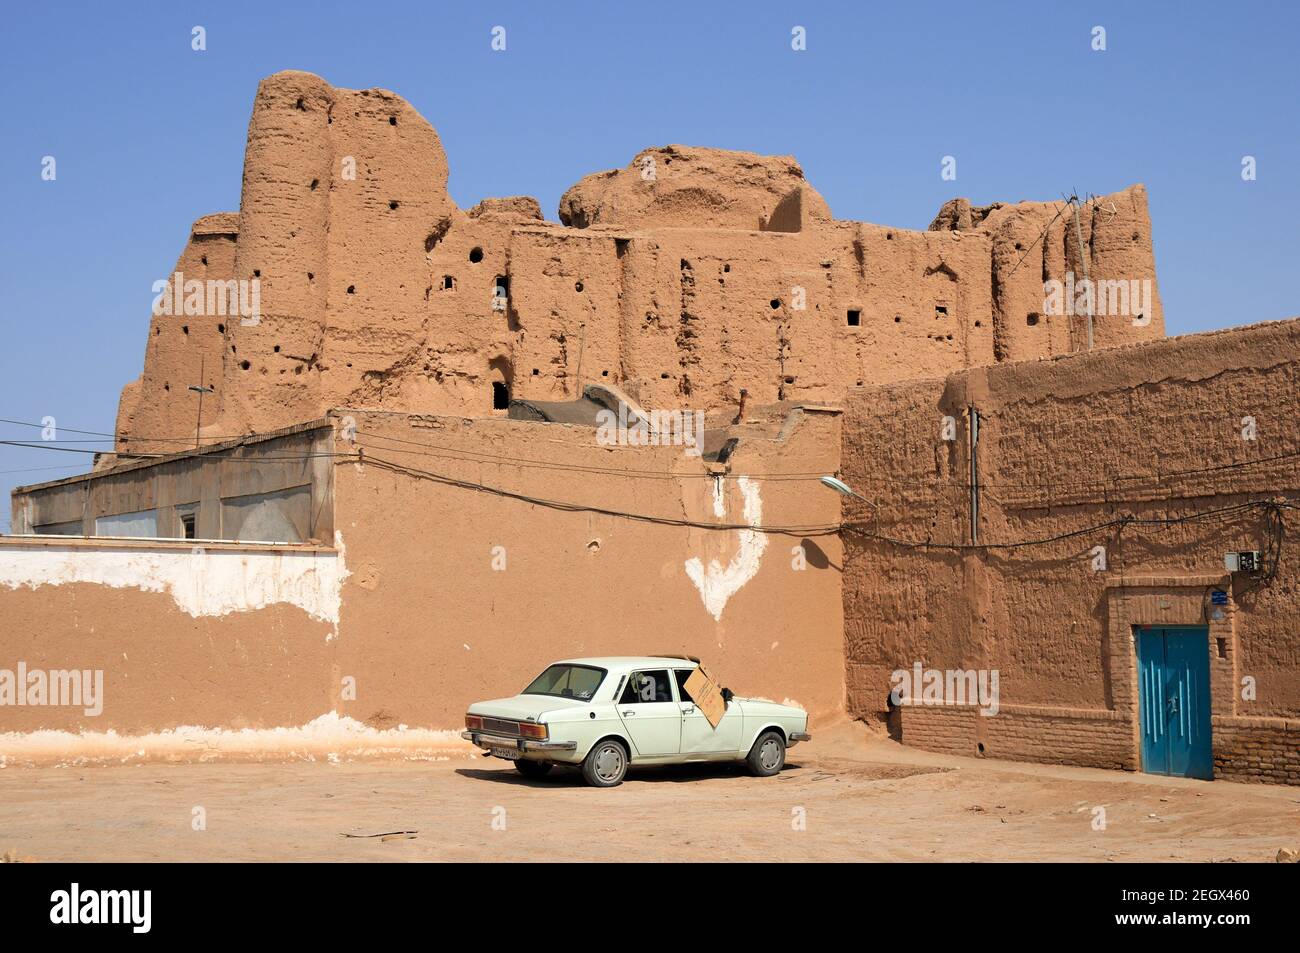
(1191,439)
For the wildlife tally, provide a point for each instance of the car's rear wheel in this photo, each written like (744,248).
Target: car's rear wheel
(533,769)
(605,765)
(767,757)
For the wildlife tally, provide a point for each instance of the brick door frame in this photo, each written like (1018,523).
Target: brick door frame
(1167,600)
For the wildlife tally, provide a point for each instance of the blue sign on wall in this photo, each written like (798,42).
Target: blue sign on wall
(1218,598)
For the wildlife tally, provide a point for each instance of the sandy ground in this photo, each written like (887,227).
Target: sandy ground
(847,795)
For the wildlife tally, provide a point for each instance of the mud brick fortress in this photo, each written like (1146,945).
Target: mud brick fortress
(398,479)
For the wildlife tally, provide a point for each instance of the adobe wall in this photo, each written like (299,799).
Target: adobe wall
(1152,431)
(682,278)
(409,604)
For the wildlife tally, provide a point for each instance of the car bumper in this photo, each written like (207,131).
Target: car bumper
(798,736)
(488,741)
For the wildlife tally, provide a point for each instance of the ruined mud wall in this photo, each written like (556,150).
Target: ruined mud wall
(438,592)
(1153,431)
(682,278)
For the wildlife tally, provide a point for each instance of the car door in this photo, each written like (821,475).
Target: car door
(650,713)
(700,739)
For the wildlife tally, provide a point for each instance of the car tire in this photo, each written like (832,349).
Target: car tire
(767,757)
(605,765)
(533,769)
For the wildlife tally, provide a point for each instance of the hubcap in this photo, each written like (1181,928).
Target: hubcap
(609,762)
(770,754)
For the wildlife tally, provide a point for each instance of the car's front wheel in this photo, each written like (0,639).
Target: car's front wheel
(605,765)
(767,757)
(533,769)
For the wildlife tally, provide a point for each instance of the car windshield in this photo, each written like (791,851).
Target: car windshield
(567,681)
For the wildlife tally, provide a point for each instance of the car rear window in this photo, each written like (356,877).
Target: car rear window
(567,681)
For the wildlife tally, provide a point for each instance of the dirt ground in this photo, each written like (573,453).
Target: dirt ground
(847,795)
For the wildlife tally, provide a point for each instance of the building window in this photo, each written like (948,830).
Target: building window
(500,396)
(189,523)
(855,317)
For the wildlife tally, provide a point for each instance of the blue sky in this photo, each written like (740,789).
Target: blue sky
(149,134)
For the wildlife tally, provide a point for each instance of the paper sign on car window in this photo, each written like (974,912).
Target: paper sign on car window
(707,694)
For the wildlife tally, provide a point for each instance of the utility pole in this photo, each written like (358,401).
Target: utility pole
(200,390)
(1083,260)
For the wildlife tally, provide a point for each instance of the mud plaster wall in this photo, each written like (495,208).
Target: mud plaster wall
(408,603)
(432,624)
(1055,439)
(681,288)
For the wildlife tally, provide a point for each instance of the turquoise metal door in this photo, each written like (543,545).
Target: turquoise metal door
(1174,701)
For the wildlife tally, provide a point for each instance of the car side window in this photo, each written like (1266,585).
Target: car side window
(647,687)
(682,675)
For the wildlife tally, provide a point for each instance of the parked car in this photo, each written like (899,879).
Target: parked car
(603,714)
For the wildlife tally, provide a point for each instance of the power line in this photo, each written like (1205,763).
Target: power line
(828,529)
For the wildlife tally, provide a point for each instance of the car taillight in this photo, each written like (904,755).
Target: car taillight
(473,722)
(528,730)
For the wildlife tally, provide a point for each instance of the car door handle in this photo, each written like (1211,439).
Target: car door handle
(628,714)
(687,709)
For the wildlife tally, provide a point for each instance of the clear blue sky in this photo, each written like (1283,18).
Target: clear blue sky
(148,134)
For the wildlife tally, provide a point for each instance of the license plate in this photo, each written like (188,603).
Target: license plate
(510,754)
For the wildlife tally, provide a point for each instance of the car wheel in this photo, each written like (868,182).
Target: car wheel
(605,765)
(767,757)
(533,769)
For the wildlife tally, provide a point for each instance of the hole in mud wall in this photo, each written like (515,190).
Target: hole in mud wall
(448,283)
(577,286)
(352,289)
(393,204)
(775,303)
(311,276)
(476,255)
(1031,319)
(726,269)
(979,747)
(788,379)
(940,311)
(392,120)
(257,272)
(300,105)
(604,373)
(221,329)
(898,318)
(204,259)
(663,376)
(245,365)
(536,371)
(620,247)
(854,318)
(185,330)
(276,349)
(500,396)
(314,184)
(501,286)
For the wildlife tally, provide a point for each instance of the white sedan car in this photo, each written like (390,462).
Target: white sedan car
(602,714)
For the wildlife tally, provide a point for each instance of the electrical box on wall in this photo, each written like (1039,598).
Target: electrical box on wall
(1244,561)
